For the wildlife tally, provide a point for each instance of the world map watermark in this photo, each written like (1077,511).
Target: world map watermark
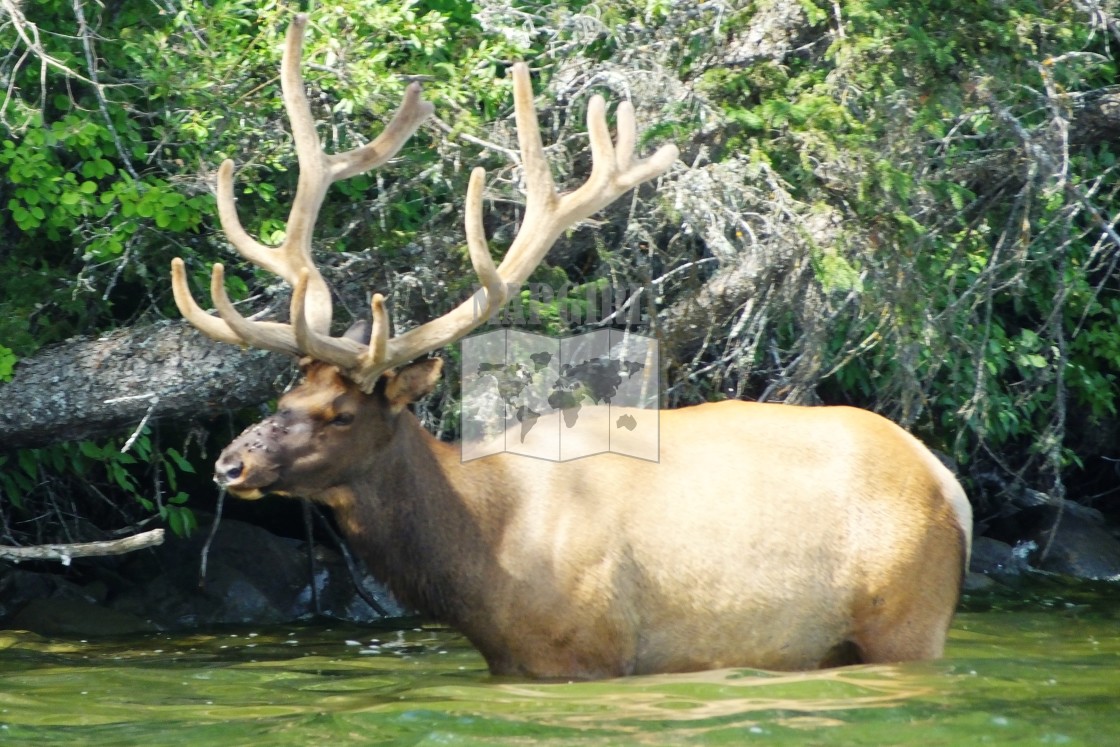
(562,398)
(573,305)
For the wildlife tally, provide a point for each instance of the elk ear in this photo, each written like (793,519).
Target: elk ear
(359,332)
(412,382)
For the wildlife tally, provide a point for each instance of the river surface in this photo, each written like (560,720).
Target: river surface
(1040,665)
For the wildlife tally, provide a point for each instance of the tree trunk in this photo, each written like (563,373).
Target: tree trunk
(90,388)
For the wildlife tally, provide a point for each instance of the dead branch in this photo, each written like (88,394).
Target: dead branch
(64,553)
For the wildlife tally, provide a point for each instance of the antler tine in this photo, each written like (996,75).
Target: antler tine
(273,336)
(379,329)
(263,256)
(384,353)
(547,214)
(291,260)
(207,324)
(492,283)
(411,114)
(614,172)
(338,351)
(294,253)
(626,136)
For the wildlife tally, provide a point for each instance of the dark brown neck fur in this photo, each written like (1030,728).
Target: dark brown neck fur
(421,532)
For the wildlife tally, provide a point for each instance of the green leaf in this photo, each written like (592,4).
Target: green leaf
(180,519)
(8,362)
(180,462)
(91,450)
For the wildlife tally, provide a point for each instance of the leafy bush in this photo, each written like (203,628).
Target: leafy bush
(965,283)
(907,197)
(115,124)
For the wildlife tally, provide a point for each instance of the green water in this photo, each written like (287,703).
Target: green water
(1034,667)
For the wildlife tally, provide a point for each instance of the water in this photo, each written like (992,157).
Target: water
(1038,666)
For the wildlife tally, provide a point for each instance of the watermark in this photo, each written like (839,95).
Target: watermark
(574,305)
(560,398)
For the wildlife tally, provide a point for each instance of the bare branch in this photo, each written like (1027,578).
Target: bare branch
(65,553)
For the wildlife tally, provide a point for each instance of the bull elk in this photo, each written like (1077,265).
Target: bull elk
(767,535)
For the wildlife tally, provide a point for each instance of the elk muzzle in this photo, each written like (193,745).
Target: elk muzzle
(250,466)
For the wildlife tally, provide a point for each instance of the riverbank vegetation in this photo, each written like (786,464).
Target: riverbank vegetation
(909,207)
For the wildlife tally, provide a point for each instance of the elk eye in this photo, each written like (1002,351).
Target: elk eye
(343,418)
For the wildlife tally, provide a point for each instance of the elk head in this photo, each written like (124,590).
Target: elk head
(351,384)
(324,432)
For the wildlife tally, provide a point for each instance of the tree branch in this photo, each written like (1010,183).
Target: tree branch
(64,553)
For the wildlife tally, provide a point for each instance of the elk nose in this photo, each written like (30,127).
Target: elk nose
(228,469)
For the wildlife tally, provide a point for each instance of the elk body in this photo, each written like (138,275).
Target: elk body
(767,535)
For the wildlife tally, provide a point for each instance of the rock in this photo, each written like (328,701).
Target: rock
(1083,544)
(992,557)
(338,597)
(252,576)
(18,587)
(1080,547)
(977,582)
(76,617)
(51,604)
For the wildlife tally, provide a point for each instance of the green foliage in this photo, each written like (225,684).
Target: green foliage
(1005,294)
(46,481)
(969,293)
(7,363)
(106,172)
(103,184)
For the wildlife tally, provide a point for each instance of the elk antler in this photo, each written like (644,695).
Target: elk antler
(614,172)
(292,259)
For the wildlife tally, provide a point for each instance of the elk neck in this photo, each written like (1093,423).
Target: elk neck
(425,523)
